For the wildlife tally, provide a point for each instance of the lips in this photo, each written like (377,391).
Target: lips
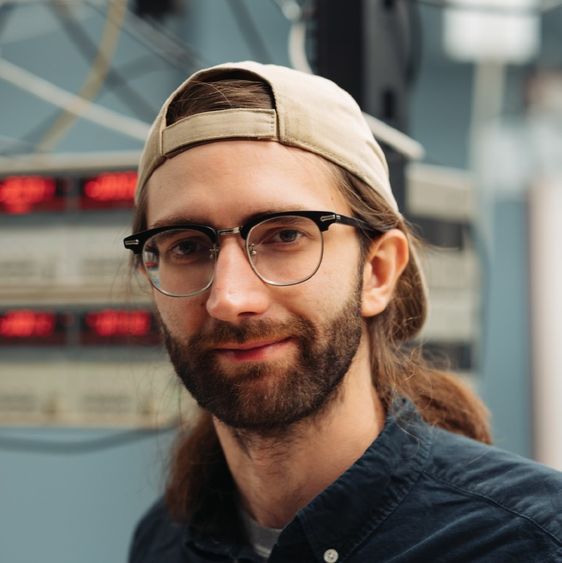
(254,350)
(248,345)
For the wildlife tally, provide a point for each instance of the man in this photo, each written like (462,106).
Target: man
(287,283)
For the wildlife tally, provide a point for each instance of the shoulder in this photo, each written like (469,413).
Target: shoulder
(505,485)
(156,537)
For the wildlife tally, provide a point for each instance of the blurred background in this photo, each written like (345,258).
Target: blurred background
(464,95)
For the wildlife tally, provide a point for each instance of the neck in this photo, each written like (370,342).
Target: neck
(276,476)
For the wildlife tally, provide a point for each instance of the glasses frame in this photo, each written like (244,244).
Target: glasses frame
(322,219)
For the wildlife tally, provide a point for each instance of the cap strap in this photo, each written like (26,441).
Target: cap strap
(223,124)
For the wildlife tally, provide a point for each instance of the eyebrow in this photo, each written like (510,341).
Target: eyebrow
(178,220)
(174,220)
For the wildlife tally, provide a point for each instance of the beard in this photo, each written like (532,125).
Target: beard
(270,396)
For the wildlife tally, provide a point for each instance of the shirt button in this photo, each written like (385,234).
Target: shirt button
(331,556)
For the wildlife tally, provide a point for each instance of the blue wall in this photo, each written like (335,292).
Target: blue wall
(505,339)
(69,508)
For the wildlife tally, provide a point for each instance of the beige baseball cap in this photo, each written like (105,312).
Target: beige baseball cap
(310,112)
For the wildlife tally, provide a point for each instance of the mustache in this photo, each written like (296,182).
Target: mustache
(224,333)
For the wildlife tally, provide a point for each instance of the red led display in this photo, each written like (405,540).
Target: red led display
(119,326)
(29,327)
(108,190)
(107,327)
(24,194)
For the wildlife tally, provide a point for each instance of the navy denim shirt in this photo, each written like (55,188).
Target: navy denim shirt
(418,494)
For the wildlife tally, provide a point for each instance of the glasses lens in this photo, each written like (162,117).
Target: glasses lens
(285,250)
(179,262)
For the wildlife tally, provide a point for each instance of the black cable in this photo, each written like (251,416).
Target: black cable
(141,66)
(159,40)
(9,145)
(176,43)
(177,54)
(89,50)
(29,139)
(250,31)
(8,443)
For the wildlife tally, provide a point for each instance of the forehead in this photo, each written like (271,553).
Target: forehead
(222,183)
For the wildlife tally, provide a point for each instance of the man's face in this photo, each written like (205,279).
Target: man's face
(256,356)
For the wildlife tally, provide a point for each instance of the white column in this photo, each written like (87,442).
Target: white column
(545,262)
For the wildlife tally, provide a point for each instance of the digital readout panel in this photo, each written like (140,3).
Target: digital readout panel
(108,190)
(20,195)
(33,328)
(26,194)
(97,327)
(118,326)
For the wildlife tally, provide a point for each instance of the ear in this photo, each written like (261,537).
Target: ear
(385,261)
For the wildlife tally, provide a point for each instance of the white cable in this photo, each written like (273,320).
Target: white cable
(96,76)
(291,9)
(297,47)
(81,107)
(139,130)
(394,138)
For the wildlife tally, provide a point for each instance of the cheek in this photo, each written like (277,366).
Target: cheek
(329,289)
(339,273)
(181,316)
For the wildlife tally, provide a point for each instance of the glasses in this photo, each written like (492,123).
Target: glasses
(283,249)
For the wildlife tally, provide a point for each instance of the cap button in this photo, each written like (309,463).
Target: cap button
(331,556)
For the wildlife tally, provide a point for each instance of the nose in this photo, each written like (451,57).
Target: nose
(236,292)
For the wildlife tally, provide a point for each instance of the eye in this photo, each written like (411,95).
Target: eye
(285,232)
(189,249)
(285,235)
(280,237)
(180,247)
(186,247)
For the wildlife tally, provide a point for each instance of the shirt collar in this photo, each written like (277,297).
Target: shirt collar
(351,508)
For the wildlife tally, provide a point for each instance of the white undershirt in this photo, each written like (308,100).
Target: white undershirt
(261,539)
